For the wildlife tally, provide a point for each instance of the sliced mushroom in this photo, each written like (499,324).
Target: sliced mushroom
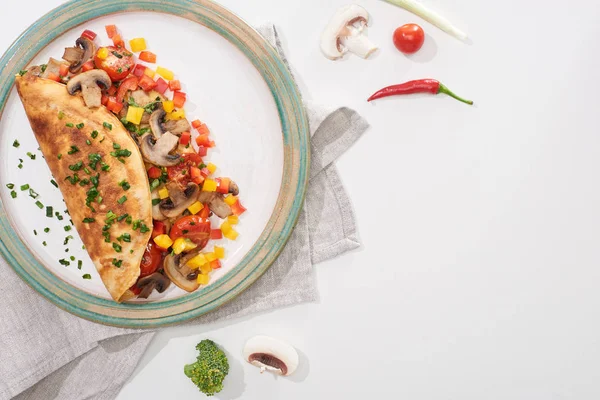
(157,152)
(89,83)
(175,266)
(77,56)
(345,32)
(179,199)
(234,189)
(156,214)
(271,355)
(177,127)
(155,281)
(53,67)
(155,122)
(216,203)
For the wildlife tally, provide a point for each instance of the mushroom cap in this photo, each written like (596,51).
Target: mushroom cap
(157,152)
(262,351)
(92,77)
(89,48)
(330,39)
(155,122)
(176,269)
(154,281)
(178,199)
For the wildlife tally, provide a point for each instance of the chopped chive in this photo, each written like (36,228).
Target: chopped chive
(59,156)
(24,187)
(74,149)
(33,194)
(88,142)
(39,204)
(83,247)
(46,229)
(117,247)
(31,155)
(155,183)
(102,140)
(13,194)
(64,262)
(72,258)
(66,250)
(144,228)
(105,166)
(136,224)
(67,228)
(79,264)
(87,276)
(87,171)
(69,125)
(22,72)
(125,185)
(61,115)
(35,232)
(114,53)
(122,217)
(107,126)
(126,237)
(67,240)
(122,200)
(89,220)
(52,181)
(80,126)
(77,166)
(117,263)
(60,217)
(94,134)
(49,212)
(131,251)
(94,158)
(156,201)
(116,146)
(16,143)
(10,185)
(20,166)
(44,243)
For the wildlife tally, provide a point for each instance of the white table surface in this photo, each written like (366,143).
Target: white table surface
(479,271)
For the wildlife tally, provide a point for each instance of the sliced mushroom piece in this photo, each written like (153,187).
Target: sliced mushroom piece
(77,56)
(179,199)
(234,189)
(175,266)
(218,206)
(270,354)
(155,281)
(89,83)
(156,214)
(53,67)
(177,127)
(157,152)
(156,119)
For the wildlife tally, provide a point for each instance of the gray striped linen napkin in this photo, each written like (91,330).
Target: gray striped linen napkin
(47,353)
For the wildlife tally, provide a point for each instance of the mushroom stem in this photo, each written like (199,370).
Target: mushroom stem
(358,43)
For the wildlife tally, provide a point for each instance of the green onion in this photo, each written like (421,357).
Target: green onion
(88,142)
(116,146)
(122,200)
(64,262)
(105,166)
(136,224)
(43,67)
(117,263)
(67,228)
(156,201)
(72,258)
(87,171)
(110,217)
(69,125)
(94,158)
(35,232)
(77,166)
(155,183)
(94,134)
(58,216)
(49,212)
(16,143)
(79,264)
(61,115)
(59,156)
(31,155)
(144,228)
(46,229)
(80,126)
(126,237)
(20,166)
(67,239)
(107,126)
(114,53)
(120,153)
(122,217)
(10,185)
(125,185)
(74,149)
(117,247)
(24,187)
(39,204)
(88,220)
(22,72)
(87,276)
(52,181)
(44,243)
(128,219)
(13,194)
(33,194)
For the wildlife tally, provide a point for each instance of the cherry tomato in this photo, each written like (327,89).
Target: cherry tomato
(117,65)
(193,227)
(181,173)
(409,38)
(151,259)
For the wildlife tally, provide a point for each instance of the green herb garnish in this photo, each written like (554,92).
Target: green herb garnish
(49,212)
(74,149)
(117,247)
(89,220)
(53,182)
(39,204)
(59,156)
(117,263)
(22,72)
(46,229)
(10,185)
(67,228)
(156,201)
(13,194)
(33,194)
(69,125)
(122,200)
(24,187)
(77,166)
(67,240)
(125,185)
(94,134)
(80,125)
(87,276)
(61,115)
(31,155)
(107,126)
(16,143)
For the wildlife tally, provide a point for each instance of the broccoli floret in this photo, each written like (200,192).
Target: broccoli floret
(210,369)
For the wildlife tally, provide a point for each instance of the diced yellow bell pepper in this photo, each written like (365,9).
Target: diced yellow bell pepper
(196,262)
(231,235)
(163,241)
(233,219)
(219,252)
(183,244)
(135,114)
(102,53)
(210,256)
(203,279)
(211,167)
(205,269)
(165,73)
(168,106)
(209,185)
(137,44)
(230,200)
(163,193)
(150,72)
(175,115)
(196,208)
(226,227)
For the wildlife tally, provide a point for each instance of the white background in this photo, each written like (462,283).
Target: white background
(479,272)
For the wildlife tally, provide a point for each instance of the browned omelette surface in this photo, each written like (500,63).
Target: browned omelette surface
(51,111)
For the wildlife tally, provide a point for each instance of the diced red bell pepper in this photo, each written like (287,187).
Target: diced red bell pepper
(211,143)
(185,138)
(216,234)
(113,105)
(205,172)
(130,83)
(148,56)
(154,172)
(159,228)
(89,34)
(193,158)
(53,77)
(88,66)
(161,86)
(175,85)
(223,186)
(203,130)
(104,99)
(196,124)
(118,40)
(203,140)
(147,83)
(179,99)
(63,70)
(202,151)
(237,208)
(139,70)
(112,90)
(196,176)
(215,264)
(205,212)
(111,30)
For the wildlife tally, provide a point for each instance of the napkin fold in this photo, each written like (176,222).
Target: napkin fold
(48,353)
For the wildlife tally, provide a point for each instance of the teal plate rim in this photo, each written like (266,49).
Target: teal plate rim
(263,253)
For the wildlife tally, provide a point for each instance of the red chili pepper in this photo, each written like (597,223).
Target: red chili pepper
(419,86)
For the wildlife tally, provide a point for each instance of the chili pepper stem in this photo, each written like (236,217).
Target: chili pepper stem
(445,90)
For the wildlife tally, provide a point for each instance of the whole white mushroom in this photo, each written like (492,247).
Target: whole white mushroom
(270,354)
(346,32)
